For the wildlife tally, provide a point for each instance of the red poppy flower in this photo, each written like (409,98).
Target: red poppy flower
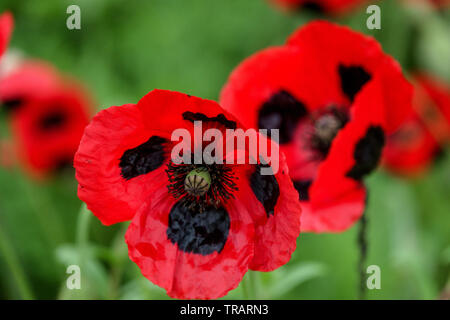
(196,245)
(328,6)
(334,95)
(48,116)
(412,148)
(6,25)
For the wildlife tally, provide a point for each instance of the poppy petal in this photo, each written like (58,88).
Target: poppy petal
(119,163)
(6,26)
(167,251)
(413,147)
(354,152)
(32,80)
(358,58)
(274,72)
(277,230)
(166,111)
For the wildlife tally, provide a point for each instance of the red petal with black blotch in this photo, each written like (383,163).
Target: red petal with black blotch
(111,133)
(272,202)
(273,70)
(187,275)
(163,110)
(6,26)
(109,193)
(327,6)
(277,230)
(336,46)
(48,130)
(336,201)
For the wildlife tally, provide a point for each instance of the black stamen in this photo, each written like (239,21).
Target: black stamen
(221,188)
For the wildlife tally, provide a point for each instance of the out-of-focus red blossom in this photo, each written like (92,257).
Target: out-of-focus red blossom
(48,114)
(438,4)
(195,247)
(6,26)
(334,94)
(326,6)
(414,146)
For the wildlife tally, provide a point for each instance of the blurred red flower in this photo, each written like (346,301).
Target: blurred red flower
(194,246)
(6,26)
(334,95)
(412,148)
(48,115)
(327,6)
(438,4)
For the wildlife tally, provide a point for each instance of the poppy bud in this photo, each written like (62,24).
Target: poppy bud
(197,182)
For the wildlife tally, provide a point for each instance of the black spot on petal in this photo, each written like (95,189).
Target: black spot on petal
(52,120)
(282,111)
(302,187)
(12,104)
(198,232)
(352,79)
(265,188)
(367,153)
(143,159)
(313,6)
(190,116)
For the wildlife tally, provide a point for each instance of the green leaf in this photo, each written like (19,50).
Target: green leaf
(287,280)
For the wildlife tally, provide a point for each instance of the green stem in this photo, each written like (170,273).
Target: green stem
(362,246)
(81,243)
(251,285)
(12,262)
(82,233)
(245,287)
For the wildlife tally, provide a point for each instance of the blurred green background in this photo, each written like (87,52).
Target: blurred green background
(127,48)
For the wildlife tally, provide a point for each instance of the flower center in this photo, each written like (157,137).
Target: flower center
(326,128)
(197,182)
(201,186)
